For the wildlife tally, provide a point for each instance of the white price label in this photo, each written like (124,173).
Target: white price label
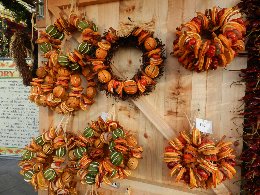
(104,116)
(204,126)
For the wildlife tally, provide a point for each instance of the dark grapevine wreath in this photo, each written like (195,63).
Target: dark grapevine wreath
(44,163)
(58,84)
(151,68)
(107,152)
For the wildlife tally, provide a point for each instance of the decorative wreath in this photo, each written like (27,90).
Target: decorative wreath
(198,160)
(107,151)
(210,40)
(144,80)
(44,163)
(58,84)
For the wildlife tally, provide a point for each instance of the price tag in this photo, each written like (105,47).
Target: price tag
(204,125)
(113,185)
(104,116)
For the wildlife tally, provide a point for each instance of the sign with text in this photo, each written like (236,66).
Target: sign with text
(19,119)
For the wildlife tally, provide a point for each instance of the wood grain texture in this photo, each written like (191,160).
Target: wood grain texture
(179,93)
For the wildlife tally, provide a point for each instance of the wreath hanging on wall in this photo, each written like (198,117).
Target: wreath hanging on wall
(44,164)
(143,82)
(57,159)
(107,152)
(210,40)
(59,84)
(198,161)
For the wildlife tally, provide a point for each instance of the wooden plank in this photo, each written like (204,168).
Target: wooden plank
(151,114)
(138,186)
(41,22)
(80,3)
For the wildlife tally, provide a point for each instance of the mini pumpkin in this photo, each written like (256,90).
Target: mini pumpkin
(73,102)
(104,76)
(150,43)
(101,53)
(59,92)
(130,87)
(132,163)
(152,71)
(75,80)
(91,92)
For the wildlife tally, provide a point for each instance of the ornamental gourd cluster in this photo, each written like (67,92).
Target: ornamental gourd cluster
(59,83)
(57,159)
(44,164)
(107,152)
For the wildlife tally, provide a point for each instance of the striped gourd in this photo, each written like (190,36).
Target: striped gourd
(49,174)
(82,25)
(93,168)
(27,155)
(116,158)
(28,175)
(60,152)
(39,140)
(90,179)
(79,152)
(88,132)
(118,133)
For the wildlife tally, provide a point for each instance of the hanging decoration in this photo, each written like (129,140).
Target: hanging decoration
(200,162)
(19,11)
(251,78)
(45,165)
(59,84)
(210,40)
(151,68)
(107,152)
(3,39)
(21,49)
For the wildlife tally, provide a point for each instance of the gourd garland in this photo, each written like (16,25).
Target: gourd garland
(151,68)
(44,162)
(224,38)
(199,161)
(107,151)
(59,82)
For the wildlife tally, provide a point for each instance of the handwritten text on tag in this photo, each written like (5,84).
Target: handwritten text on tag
(204,126)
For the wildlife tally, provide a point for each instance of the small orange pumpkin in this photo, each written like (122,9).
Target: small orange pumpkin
(101,53)
(152,71)
(75,80)
(150,43)
(130,87)
(104,76)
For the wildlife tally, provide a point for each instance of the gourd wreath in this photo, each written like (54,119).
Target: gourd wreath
(107,151)
(210,39)
(58,84)
(151,68)
(199,161)
(44,163)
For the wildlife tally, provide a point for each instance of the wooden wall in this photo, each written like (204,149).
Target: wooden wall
(179,92)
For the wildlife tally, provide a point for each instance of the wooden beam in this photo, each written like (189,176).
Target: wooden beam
(148,110)
(139,186)
(80,3)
